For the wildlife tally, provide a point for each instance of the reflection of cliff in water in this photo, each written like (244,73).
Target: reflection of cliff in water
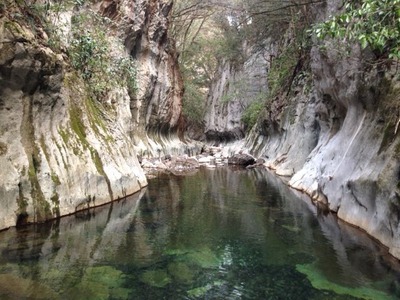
(231,214)
(277,214)
(348,251)
(68,245)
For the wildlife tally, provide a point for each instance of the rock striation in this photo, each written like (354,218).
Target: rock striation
(234,87)
(337,139)
(334,135)
(65,146)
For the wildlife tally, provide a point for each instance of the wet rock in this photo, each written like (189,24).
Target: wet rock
(241,159)
(259,162)
(68,136)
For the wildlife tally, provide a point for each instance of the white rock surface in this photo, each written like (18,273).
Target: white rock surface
(58,153)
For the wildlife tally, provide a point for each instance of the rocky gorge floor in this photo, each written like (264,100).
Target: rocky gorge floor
(209,157)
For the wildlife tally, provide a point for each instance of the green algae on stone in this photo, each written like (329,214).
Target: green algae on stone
(89,290)
(106,275)
(204,258)
(100,282)
(175,252)
(320,282)
(201,291)
(156,278)
(181,272)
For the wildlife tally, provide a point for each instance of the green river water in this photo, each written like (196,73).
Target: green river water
(218,234)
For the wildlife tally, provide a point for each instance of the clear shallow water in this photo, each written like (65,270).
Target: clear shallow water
(218,234)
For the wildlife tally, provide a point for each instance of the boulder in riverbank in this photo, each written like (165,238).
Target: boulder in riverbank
(241,159)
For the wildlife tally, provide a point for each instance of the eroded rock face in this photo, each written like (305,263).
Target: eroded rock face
(339,142)
(231,92)
(156,107)
(63,150)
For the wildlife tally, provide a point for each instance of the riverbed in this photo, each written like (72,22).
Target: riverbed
(223,233)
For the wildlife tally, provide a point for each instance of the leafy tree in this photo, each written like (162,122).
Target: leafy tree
(373,23)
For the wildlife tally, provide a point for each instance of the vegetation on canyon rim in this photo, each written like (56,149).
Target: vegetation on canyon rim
(209,33)
(86,43)
(372,23)
(88,55)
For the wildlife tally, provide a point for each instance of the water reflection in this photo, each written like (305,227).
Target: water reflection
(218,234)
(45,261)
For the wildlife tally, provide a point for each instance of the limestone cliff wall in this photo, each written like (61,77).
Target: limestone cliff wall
(337,139)
(157,105)
(63,149)
(234,88)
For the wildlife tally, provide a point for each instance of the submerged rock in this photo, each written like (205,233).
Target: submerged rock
(156,278)
(203,258)
(181,272)
(15,287)
(201,291)
(320,282)
(100,282)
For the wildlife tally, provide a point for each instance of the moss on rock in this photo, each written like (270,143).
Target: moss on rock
(320,282)
(203,258)
(181,272)
(100,282)
(156,278)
